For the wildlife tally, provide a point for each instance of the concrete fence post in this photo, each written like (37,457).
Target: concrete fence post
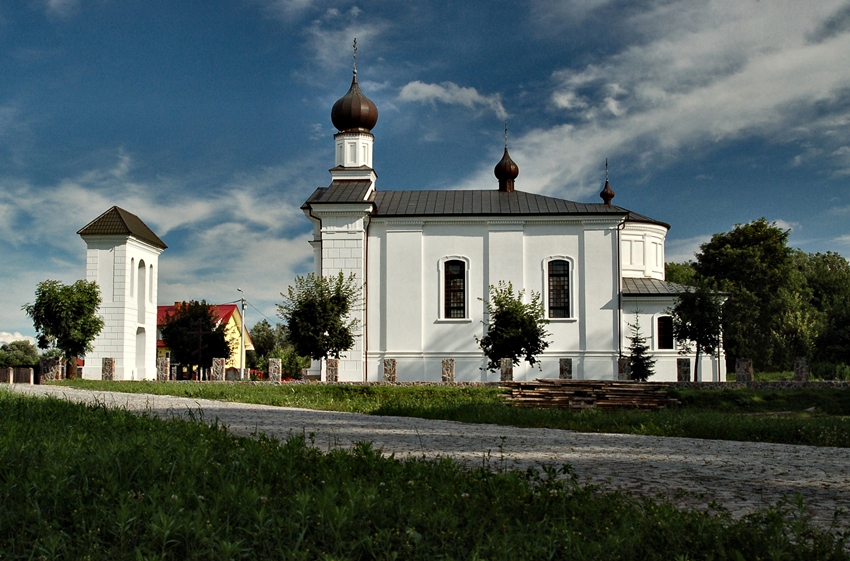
(107,369)
(683,369)
(506,367)
(801,369)
(332,370)
(448,374)
(743,370)
(217,370)
(565,369)
(624,369)
(275,369)
(389,370)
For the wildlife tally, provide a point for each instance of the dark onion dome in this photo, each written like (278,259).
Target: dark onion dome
(607,193)
(354,112)
(506,171)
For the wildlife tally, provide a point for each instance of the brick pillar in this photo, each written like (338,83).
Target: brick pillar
(683,369)
(217,370)
(801,369)
(565,369)
(389,370)
(332,370)
(163,369)
(624,369)
(743,370)
(107,369)
(506,367)
(448,370)
(275,369)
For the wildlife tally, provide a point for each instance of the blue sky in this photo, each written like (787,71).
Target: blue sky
(210,119)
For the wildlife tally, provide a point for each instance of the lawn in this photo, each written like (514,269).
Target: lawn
(88,482)
(813,416)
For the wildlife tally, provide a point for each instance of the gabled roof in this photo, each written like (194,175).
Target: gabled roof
(652,287)
(118,222)
(462,203)
(223,311)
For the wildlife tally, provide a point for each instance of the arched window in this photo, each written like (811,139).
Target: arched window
(454,287)
(558,288)
(664,332)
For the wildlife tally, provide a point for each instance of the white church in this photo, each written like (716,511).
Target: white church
(427,258)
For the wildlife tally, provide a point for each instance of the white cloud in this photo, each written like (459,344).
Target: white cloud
(62,8)
(685,249)
(785,225)
(6,337)
(452,94)
(696,75)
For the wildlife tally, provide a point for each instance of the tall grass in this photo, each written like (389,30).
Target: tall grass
(87,482)
(731,414)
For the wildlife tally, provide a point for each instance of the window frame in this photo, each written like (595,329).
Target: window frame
(441,312)
(656,343)
(571,291)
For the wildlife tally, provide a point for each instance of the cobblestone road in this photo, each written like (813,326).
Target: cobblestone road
(740,476)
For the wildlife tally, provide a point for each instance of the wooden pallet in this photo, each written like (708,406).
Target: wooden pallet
(588,394)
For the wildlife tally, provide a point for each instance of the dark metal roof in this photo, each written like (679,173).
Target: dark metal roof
(463,203)
(652,287)
(340,191)
(473,203)
(118,222)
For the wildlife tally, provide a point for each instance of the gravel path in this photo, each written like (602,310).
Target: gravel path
(740,476)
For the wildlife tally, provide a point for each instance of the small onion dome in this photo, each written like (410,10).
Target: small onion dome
(607,193)
(506,171)
(354,112)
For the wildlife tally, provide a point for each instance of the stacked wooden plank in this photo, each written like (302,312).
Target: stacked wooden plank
(586,394)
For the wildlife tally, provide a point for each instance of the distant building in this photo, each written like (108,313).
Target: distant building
(228,314)
(426,259)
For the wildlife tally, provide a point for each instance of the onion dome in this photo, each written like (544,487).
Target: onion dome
(354,112)
(607,193)
(506,171)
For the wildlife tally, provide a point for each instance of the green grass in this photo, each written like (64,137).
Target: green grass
(88,482)
(778,416)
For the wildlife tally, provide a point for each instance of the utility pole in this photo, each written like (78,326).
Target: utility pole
(242,339)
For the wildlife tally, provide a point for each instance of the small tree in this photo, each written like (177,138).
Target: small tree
(65,317)
(266,339)
(641,363)
(697,318)
(18,353)
(195,335)
(316,311)
(515,330)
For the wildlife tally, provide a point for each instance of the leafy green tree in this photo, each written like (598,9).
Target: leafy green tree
(291,364)
(195,335)
(65,317)
(641,363)
(754,265)
(266,338)
(18,353)
(697,319)
(681,273)
(317,311)
(515,330)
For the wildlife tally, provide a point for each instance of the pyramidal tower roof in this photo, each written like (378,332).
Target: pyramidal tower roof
(118,222)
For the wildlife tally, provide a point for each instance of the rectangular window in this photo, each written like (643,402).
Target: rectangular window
(559,289)
(455,289)
(664,332)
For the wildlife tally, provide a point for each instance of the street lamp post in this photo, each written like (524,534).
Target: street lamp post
(242,338)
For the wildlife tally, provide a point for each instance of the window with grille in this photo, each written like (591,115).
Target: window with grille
(559,289)
(664,332)
(455,289)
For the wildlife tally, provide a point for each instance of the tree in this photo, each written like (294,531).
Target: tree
(697,319)
(18,353)
(754,265)
(641,363)
(65,317)
(680,273)
(195,335)
(514,330)
(290,363)
(266,339)
(317,313)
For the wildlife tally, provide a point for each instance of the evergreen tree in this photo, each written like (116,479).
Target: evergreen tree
(641,363)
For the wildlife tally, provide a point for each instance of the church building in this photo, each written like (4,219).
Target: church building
(426,259)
